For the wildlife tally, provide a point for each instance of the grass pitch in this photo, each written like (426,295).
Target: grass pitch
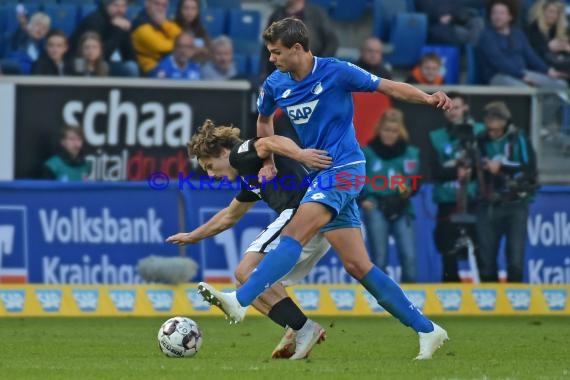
(356,348)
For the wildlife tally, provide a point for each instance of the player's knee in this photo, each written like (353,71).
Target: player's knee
(242,272)
(357,268)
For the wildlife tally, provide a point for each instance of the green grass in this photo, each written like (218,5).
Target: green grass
(356,348)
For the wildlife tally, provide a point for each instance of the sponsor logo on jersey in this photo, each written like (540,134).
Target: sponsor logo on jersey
(286,93)
(343,298)
(485,299)
(301,113)
(244,147)
(450,299)
(317,88)
(519,298)
(318,196)
(161,300)
(124,300)
(50,299)
(308,298)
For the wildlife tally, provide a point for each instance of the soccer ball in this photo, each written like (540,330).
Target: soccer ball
(179,337)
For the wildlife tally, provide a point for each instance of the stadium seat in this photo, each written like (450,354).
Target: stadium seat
(78,2)
(383,13)
(214,20)
(240,61)
(85,9)
(244,24)
(450,57)
(247,46)
(326,4)
(408,35)
(348,11)
(472,66)
(254,61)
(9,23)
(224,4)
(133,11)
(63,16)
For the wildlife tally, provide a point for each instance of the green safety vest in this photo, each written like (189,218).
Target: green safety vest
(448,149)
(65,172)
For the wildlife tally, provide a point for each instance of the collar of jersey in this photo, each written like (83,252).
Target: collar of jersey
(312,71)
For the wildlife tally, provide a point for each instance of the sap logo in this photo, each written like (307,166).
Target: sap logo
(197,300)
(317,88)
(7,233)
(343,298)
(301,113)
(555,298)
(49,299)
(450,299)
(374,306)
(417,298)
(124,300)
(161,300)
(86,299)
(308,298)
(13,300)
(485,298)
(318,196)
(519,298)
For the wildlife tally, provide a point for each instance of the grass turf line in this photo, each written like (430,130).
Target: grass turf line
(356,348)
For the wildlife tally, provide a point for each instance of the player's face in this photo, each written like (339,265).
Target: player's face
(219,167)
(285,59)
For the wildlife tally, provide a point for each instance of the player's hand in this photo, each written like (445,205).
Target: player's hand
(267,172)
(182,238)
(315,158)
(493,166)
(440,100)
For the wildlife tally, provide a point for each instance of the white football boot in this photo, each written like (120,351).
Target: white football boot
(226,302)
(309,335)
(286,347)
(430,342)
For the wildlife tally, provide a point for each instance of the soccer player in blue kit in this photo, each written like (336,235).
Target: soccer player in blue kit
(316,95)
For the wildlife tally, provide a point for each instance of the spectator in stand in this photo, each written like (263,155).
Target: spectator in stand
(548,33)
(69,163)
(506,58)
(153,34)
(110,22)
(452,21)
(28,40)
(428,71)
(371,58)
(90,60)
(322,35)
(188,19)
(180,64)
(389,210)
(222,66)
(52,61)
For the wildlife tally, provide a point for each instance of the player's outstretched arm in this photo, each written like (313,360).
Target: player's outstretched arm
(284,146)
(409,93)
(220,222)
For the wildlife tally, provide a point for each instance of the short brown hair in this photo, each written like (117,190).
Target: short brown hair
(431,57)
(393,115)
(289,31)
(71,129)
(209,141)
(511,5)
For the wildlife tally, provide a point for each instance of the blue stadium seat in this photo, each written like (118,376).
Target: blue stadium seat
(246,46)
(473,76)
(9,23)
(450,56)
(224,4)
(85,9)
(326,4)
(383,14)
(38,2)
(408,35)
(133,11)
(63,16)
(348,11)
(214,20)
(254,61)
(79,2)
(244,24)
(240,61)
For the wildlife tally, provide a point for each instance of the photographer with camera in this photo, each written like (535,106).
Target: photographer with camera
(389,211)
(509,164)
(454,172)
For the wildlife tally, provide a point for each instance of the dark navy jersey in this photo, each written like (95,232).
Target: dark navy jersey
(320,105)
(285,191)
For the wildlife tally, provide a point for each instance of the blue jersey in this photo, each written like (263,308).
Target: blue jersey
(168,69)
(320,106)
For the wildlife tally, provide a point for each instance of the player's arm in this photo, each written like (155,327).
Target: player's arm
(409,93)
(284,146)
(220,222)
(264,129)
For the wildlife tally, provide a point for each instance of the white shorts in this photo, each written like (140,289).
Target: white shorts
(312,252)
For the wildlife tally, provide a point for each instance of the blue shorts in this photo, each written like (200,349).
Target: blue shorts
(336,188)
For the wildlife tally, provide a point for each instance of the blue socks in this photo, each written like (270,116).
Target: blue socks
(391,297)
(276,264)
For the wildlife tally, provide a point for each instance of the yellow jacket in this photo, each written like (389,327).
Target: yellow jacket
(152,42)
